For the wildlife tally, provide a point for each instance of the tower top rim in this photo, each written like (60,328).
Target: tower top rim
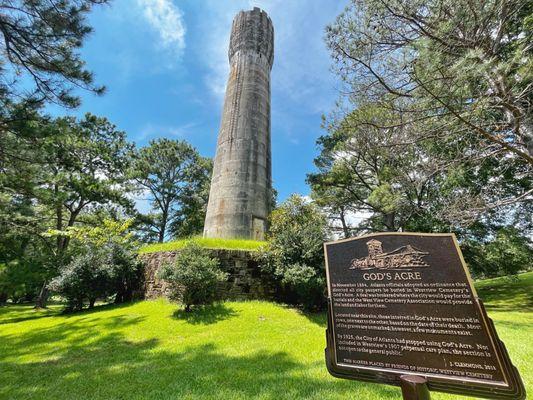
(252,32)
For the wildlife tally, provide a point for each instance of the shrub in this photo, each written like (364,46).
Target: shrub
(509,252)
(126,273)
(104,264)
(99,273)
(194,276)
(294,254)
(20,280)
(87,276)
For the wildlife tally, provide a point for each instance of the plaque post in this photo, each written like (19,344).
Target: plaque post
(414,387)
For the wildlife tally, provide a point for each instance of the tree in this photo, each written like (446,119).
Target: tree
(190,217)
(55,170)
(376,171)
(459,73)
(82,164)
(86,165)
(194,275)
(294,254)
(104,264)
(508,252)
(169,170)
(336,205)
(40,39)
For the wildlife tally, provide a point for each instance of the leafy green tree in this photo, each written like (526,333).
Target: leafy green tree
(364,168)
(190,217)
(83,164)
(194,275)
(294,254)
(335,202)
(113,242)
(55,170)
(86,163)
(40,42)
(168,171)
(457,75)
(506,253)
(19,280)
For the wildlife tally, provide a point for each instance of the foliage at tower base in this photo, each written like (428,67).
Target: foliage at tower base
(194,276)
(175,179)
(294,255)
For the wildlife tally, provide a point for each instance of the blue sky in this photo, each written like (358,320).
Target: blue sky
(165,65)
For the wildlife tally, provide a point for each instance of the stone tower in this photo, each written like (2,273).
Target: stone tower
(240,196)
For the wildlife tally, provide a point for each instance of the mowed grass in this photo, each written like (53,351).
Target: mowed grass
(208,243)
(234,350)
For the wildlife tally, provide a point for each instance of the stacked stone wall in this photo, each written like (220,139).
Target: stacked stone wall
(245,279)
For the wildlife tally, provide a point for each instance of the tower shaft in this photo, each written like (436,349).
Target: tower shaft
(240,194)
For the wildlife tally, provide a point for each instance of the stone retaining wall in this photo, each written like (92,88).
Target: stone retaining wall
(245,279)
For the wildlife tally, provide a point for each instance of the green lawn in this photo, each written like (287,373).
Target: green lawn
(236,350)
(208,243)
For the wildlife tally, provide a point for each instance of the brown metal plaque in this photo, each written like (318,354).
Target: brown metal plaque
(404,303)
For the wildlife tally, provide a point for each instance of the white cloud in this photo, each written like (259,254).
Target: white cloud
(166,19)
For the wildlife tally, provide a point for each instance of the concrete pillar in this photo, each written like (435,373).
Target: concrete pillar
(240,196)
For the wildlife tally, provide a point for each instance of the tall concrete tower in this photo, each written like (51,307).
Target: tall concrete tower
(240,196)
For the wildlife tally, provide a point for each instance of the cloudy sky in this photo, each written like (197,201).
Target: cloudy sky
(165,65)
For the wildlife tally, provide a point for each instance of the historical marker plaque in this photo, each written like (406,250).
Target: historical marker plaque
(402,304)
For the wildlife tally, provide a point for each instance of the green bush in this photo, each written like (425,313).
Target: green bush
(509,252)
(126,273)
(99,273)
(19,281)
(194,276)
(87,276)
(294,256)
(104,264)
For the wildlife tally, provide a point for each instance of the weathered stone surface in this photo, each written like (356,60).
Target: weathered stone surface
(240,196)
(245,280)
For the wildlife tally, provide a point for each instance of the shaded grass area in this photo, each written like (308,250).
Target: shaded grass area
(507,293)
(232,350)
(208,243)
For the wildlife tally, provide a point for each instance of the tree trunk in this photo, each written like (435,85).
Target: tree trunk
(388,220)
(43,296)
(344,226)
(59,219)
(91,303)
(163,227)
(79,304)
(526,131)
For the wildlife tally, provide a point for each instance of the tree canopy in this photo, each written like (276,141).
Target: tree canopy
(39,50)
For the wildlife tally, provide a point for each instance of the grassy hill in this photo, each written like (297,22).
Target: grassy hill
(235,350)
(208,243)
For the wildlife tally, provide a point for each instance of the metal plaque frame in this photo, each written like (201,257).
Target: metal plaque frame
(512,388)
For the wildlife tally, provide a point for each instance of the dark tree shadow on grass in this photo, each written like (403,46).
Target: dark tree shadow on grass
(207,314)
(29,313)
(112,367)
(508,294)
(28,317)
(318,318)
